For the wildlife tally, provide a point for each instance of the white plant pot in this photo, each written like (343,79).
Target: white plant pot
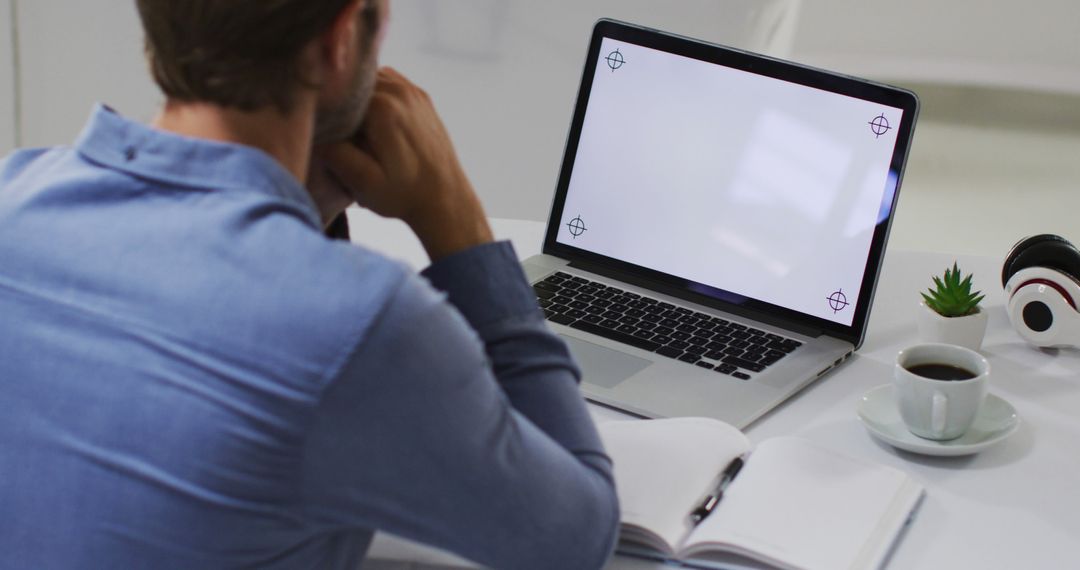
(962,331)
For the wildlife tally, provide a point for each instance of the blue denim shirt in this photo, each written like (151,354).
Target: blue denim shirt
(193,376)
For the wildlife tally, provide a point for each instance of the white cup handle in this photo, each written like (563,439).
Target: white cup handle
(937,414)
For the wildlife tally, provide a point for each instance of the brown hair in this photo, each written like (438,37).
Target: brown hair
(235,53)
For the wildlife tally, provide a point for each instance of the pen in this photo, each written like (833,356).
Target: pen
(711,500)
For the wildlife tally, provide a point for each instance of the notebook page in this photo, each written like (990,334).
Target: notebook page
(664,467)
(802,506)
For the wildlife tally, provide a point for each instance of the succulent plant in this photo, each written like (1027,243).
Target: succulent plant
(953,297)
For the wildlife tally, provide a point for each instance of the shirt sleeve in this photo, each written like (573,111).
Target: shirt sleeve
(458,422)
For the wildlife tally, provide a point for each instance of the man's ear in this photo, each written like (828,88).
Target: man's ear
(340,40)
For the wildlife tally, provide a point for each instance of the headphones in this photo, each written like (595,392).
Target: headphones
(1041,276)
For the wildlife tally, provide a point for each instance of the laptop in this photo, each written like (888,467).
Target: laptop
(719,223)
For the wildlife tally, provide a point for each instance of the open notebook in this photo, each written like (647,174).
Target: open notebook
(793,505)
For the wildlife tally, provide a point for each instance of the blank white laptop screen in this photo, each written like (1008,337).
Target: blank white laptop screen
(745,183)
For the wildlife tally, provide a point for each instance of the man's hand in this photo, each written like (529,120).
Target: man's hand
(402,165)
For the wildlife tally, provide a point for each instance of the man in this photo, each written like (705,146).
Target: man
(193,376)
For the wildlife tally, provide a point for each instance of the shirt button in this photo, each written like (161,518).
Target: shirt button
(130,153)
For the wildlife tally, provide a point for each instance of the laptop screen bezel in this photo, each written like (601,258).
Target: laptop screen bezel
(766,66)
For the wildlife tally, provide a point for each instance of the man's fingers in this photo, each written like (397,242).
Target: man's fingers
(396,84)
(354,168)
(390,74)
(390,81)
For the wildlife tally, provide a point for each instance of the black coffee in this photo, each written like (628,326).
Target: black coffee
(941,372)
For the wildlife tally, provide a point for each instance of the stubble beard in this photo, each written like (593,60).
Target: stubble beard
(343,121)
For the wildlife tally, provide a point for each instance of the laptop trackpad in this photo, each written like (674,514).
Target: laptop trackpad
(602,366)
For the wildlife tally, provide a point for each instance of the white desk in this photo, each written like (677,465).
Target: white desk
(1011,506)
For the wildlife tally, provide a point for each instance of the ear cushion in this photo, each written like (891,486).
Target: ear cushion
(1045,250)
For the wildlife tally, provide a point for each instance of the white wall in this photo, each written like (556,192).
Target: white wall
(503,72)
(75,53)
(510,124)
(1032,44)
(7,80)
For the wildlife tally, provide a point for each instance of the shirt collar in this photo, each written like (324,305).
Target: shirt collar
(127,146)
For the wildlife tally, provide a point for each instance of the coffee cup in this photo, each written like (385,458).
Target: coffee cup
(939,389)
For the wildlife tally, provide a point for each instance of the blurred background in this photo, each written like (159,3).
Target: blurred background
(996,154)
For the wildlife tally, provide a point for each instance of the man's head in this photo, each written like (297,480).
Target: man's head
(253,54)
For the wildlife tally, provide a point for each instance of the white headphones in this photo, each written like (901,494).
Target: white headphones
(1041,276)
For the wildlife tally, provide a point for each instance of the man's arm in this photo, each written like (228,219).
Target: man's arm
(459,421)
(419,437)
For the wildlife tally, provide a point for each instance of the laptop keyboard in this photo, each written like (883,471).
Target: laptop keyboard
(655,326)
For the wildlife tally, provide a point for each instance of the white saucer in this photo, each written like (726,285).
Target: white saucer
(996,421)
